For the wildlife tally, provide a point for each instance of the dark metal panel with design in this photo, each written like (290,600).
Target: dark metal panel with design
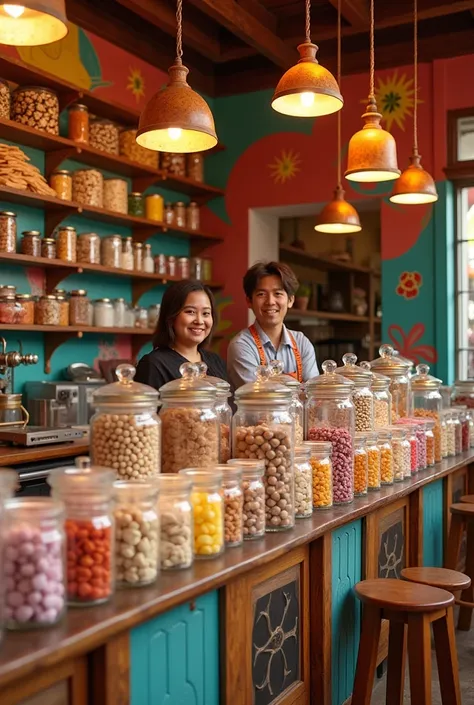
(391,558)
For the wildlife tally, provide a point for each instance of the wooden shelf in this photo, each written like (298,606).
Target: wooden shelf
(325,264)
(295,315)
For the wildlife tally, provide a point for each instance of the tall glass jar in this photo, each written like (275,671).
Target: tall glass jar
(88,248)
(135,204)
(8,484)
(321,468)
(33,566)
(382,398)
(78,123)
(176,522)
(47,311)
(137,531)
(373,460)
(7,232)
(254,496)
(401,453)
(180,214)
(31,243)
(119,313)
(303,482)
(450,433)
(111,251)
(208,511)
(153,315)
(137,257)
(126,258)
(427,401)
(361,467)
(190,423)
(66,243)
(61,182)
(296,406)
(263,429)
(88,187)
(463,393)
(386,456)
(362,396)
(465,427)
(193,218)
(87,495)
(148,262)
(154,207)
(413,441)
(79,306)
(330,417)
(397,369)
(444,434)
(420,434)
(63,310)
(233,504)
(126,431)
(195,166)
(223,411)
(455,416)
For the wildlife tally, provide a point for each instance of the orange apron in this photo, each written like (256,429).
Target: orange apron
(263,359)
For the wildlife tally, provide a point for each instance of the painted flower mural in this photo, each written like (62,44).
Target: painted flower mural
(395,99)
(408,344)
(136,84)
(285,166)
(409,284)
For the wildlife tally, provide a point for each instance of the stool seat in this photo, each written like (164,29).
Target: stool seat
(398,595)
(466,510)
(467,499)
(451,580)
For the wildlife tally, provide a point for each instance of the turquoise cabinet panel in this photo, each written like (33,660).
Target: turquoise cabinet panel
(174,658)
(433,524)
(346,609)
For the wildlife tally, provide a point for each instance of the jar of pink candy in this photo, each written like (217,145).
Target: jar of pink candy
(8,482)
(34,562)
(330,417)
(420,434)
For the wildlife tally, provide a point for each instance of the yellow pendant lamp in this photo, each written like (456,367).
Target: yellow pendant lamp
(372,153)
(31,23)
(307,89)
(338,216)
(177,119)
(415,186)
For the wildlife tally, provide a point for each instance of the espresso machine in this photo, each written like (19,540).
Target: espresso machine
(12,411)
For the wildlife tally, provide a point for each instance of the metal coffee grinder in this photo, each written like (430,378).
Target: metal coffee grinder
(12,412)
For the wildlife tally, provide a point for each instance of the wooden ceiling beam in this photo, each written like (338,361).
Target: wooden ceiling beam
(356,12)
(260,13)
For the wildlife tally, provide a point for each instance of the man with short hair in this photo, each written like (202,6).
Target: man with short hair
(270,289)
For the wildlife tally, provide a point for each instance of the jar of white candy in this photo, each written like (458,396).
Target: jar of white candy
(303,482)
(176,522)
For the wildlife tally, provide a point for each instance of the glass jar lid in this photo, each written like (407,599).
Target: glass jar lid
(405,360)
(384,434)
(8,214)
(464,385)
(264,389)
(79,292)
(169,483)
(81,478)
(24,297)
(62,172)
(423,380)
(78,106)
(380,383)
(302,452)
(357,374)
(319,447)
(330,384)
(390,364)
(191,385)
(103,301)
(125,391)
(279,376)
(223,387)
(31,233)
(247,464)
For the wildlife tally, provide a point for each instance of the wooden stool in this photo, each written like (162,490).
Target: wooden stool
(411,608)
(467,499)
(451,580)
(462,518)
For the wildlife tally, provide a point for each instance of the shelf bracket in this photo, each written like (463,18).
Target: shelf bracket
(141,234)
(141,183)
(55,216)
(52,341)
(55,158)
(67,97)
(54,276)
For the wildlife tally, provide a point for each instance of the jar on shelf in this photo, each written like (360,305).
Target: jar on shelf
(10,310)
(111,251)
(7,290)
(34,550)
(87,187)
(36,107)
(361,466)
(321,468)
(126,410)
(63,310)
(154,207)
(429,426)
(27,309)
(104,316)
(78,123)
(115,197)
(386,456)
(47,311)
(135,204)
(168,215)
(193,216)
(129,316)
(126,257)
(427,401)
(420,440)
(104,135)
(179,214)
(119,313)
(79,305)
(61,182)
(176,522)
(401,453)
(233,504)
(7,232)
(148,263)
(254,496)
(263,429)
(171,266)
(86,492)
(183,268)
(330,417)
(137,257)
(129,148)
(5,100)
(160,264)
(397,369)
(30,243)
(88,248)
(196,268)
(66,243)
(373,461)
(206,269)
(190,424)
(174,164)
(153,315)
(208,511)
(362,396)
(410,429)
(195,166)
(137,532)
(455,416)
(463,393)
(303,482)
(48,248)
(141,317)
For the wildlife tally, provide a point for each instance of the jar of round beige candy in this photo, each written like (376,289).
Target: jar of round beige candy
(88,248)
(7,290)
(195,166)
(30,243)
(174,163)
(36,107)
(127,254)
(27,305)
(233,504)
(132,150)
(79,308)
(5,100)
(48,248)
(104,136)
(47,311)
(125,429)
(61,182)
(176,522)
(254,496)
(192,216)
(180,214)
(168,215)
(7,231)
(138,257)
(66,243)
(111,251)
(116,195)
(87,187)
(63,310)
(303,482)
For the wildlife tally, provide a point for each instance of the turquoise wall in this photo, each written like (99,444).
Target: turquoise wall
(433,524)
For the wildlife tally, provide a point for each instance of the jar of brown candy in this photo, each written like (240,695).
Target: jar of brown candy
(192,216)
(180,214)
(137,256)
(47,311)
(66,243)
(195,166)
(79,305)
(87,187)
(7,232)
(168,216)
(48,248)
(27,306)
(174,163)
(36,107)
(88,248)
(10,310)
(61,182)
(63,310)
(31,243)
(104,135)
(78,123)
(111,251)
(183,267)
(160,264)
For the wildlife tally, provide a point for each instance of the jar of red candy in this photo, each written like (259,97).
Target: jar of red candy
(420,435)
(413,441)
(87,495)
(391,365)
(8,483)
(429,428)
(330,417)
(463,393)
(465,427)
(427,401)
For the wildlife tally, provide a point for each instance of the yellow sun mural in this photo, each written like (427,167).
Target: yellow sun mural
(395,97)
(285,166)
(136,84)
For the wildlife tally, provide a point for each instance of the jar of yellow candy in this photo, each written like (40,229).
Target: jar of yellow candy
(321,466)
(208,509)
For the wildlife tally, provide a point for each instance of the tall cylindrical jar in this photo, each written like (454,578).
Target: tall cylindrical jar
(382,398)
(87,187)
(397,369)
(8,484)
(154,207)
(115,195)
(111,251)
(330,417)
(427,401)
(401,453)
(456,421)
(233,504)
(79,307)
(373,460)
(88,248)
(321,467)
(361,467)
(148,262)
(296,405)
(450,433)
(223,411)
(126,258)
(362,396)
(119,313)
(208,511)
(444,434)
(7,232)
(78,123)
(303,482)
(66,243)
(126,431)
(138,257)
(254,496)
(61,182)
(386,456)
(176,522)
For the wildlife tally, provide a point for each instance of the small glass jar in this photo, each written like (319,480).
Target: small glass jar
(196,268)
(413,441)
(362,396)
(88,187)
(154,207)
(386,456)
(126,410)
(174,163)
(126,257)
(115,195)
(104,316)
(111,251)
(137,532)
(87,495)
(119,313)
(183,269)
(168,214)
(397,370)
(10,310)
(171,266)
(233,504)
(420,440)
(180,215)
(5,100)
(66,243)
(78,123)
(63,310)
(7,290)
(88,248)
(141,317)
(27,305)
(321,470)
(160,264)
(303,482)
(361,466)
(463,393)
(137,257)
(129,316)
(444,434)
(373,461)
(33,565)
(208,512)
(193,219)
(195,166)
(48,248)
(206,269)
(61,182)
(465,427)
(176,522)
(135,204)
(104,135)
(427,401)
(153,315)
(31,243)
(254,496)
(401,453)
(7,232)
(148,263)
(455,415)
(47,311)
(79,305)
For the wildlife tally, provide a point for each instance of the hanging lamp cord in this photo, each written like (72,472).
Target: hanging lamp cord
(179,31)
(372,55)
(339,71)
(308,22)
(415,78)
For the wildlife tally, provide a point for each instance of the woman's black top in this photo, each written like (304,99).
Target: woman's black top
(162,366)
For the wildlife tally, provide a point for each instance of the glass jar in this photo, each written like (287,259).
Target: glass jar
(48,248)
(382,398)
(190,423)
(7,290)
(79,305)
(61,182)
(208,511)
(193,216)
(115,196)
(413,441)
(87,495)
(429,426)
(206,269)
(254,496)
(168,214)
(450,433)
(137,257)
(457,431)
(137,531)
(174,163)
(66,243)
(233,504)
(148,263)
(427,401)
(296,406)
(153,315)
(386,456)
(470,415)
(88,187)
(135,204)
(31,243)
(171,265)
(126,257)
(8,484)
(119,313)
(129,148)
(140,317)
(10,310)
(420,440)
(303,482)
(195,166)
(401,453)
(465,427)
(397,369)
(444,434)
(47,311)
(176,522)
(362,396)
(361,466)
(196,268)
(34,552)
(104,316)
(126,410)
(330,417)
(27,309)
(63,310)
(373,460)
(78,123)
(129,316)
(179,215)
(160,264)
(321,469)
(104,135)
(111,251)
(463,393)
(183,269)
(5,100)
(36,107)
(7,232)
(154,207)
(223,411)
(88,248)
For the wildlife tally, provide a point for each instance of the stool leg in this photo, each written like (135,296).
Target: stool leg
(465,613)
(419,658)
(367,656)
(447,658)
(454,541)
(397,646)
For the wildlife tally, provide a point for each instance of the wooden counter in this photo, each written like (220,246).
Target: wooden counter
(294,568)
(14,455)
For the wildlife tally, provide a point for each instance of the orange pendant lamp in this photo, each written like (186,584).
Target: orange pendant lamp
(307,89)
(31,23)
(415,186)
(177,119)
(372,153)
(338,216)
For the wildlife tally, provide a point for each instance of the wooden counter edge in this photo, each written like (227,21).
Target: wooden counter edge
(14,455)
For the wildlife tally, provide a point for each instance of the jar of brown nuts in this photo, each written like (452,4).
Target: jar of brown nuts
(87,187)
(233,505)
(30,243)
(66,243)
(36,107)
(7,231)
(104,136)
(47,312)
(79,308)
